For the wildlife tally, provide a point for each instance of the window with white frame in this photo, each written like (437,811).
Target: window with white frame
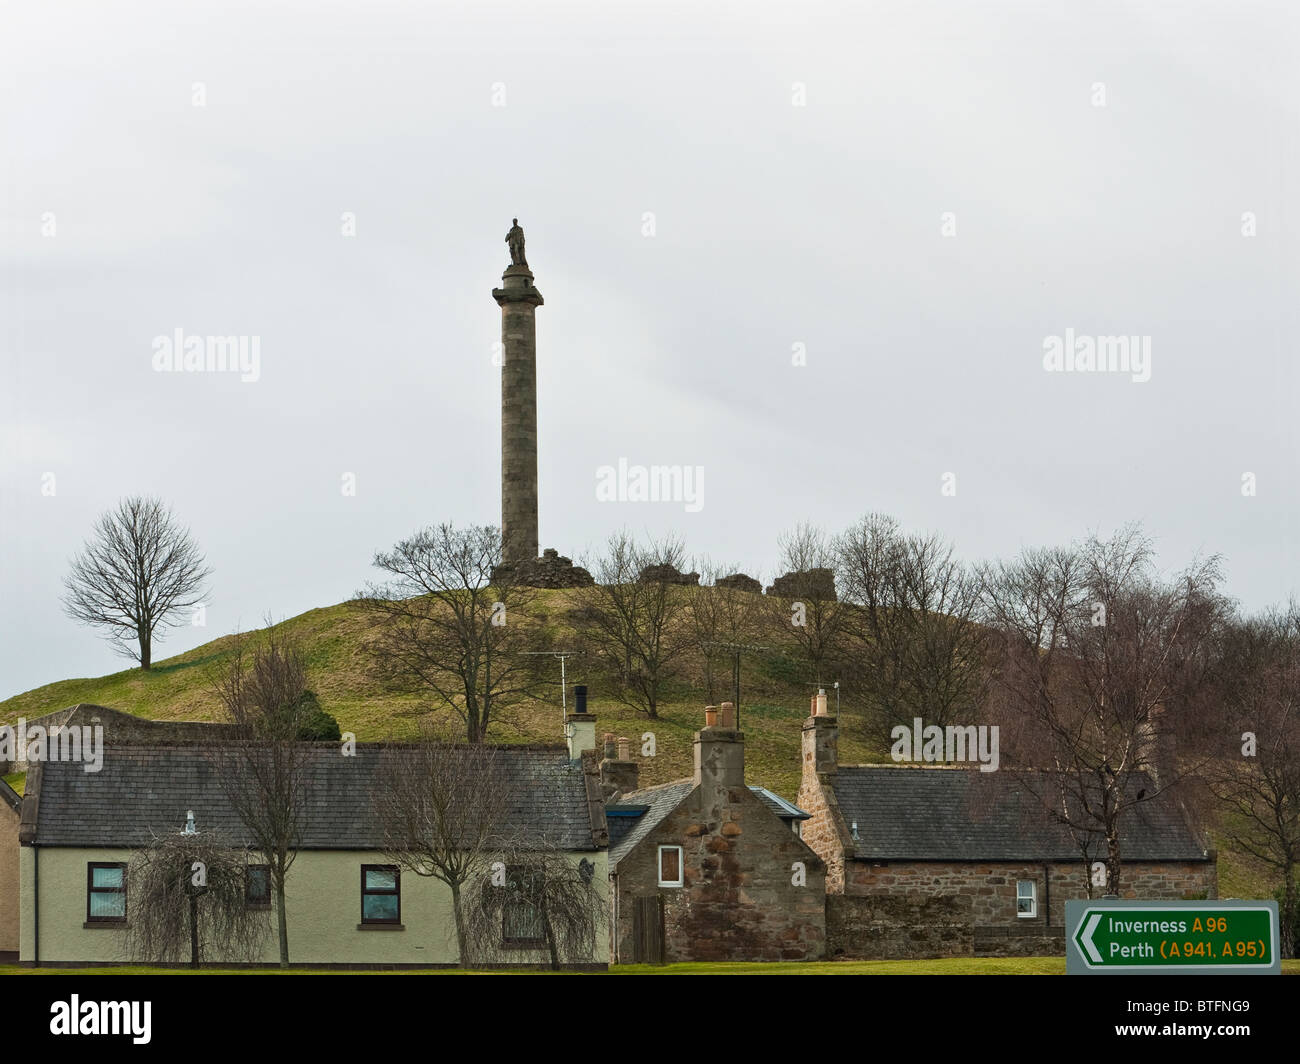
(1026,898)
(670,866)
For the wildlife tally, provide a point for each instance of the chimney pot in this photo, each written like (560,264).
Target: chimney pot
(710,716)
(820,703)
(727,715)
(618,772)
(624,748)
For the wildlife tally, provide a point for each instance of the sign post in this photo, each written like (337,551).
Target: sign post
(1113,937)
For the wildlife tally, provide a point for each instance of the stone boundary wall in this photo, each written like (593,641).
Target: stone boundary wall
(122,727)
(898,927)
(1028,941)
(990,886)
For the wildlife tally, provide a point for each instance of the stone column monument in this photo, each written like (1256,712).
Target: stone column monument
(518,300)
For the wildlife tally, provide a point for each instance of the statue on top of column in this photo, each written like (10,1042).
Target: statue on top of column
(515,238)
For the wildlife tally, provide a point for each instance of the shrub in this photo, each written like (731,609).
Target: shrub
(317,724)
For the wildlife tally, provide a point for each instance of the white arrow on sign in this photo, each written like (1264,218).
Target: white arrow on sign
(1086,938)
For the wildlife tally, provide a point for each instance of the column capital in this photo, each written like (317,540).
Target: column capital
(518,282)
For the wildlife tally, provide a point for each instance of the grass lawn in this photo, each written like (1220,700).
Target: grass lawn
(946,966)
(943,966)
(939,966)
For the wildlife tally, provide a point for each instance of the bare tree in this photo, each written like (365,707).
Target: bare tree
(541,898)
(803,606)
(444,810)
(917,649)
(720,616)
(1256,776)
(189,894)
(1096,654)
(449,619)
(134,577)
(633,619)
(264,774)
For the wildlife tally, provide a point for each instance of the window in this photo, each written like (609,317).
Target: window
(105,893)
(521,918)
(381,894)
(670,866)
(797,828)
(1026,897)
(257,887)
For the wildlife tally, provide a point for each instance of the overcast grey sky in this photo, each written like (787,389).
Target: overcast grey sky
(921,194)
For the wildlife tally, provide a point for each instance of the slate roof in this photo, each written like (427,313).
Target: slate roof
(785,810)
(945,814)
(657,802)
(145,789)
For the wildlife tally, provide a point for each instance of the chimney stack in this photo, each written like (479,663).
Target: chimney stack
(720,752)
(820,739)
(579,725)
(619,774)
(1157,747)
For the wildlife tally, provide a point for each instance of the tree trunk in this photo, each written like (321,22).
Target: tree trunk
(549,931)
(1112,859)
(1288,912)
(194,931)
(282,921)
(460,925)
(146,651)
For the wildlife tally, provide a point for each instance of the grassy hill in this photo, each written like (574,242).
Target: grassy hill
(332,640)
(774,705)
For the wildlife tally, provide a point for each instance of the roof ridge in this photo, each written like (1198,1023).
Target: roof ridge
(657,787)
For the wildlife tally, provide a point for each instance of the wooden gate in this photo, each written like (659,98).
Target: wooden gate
(648,930)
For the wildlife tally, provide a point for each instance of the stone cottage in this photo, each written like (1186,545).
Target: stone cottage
(708,868)
(942,861)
